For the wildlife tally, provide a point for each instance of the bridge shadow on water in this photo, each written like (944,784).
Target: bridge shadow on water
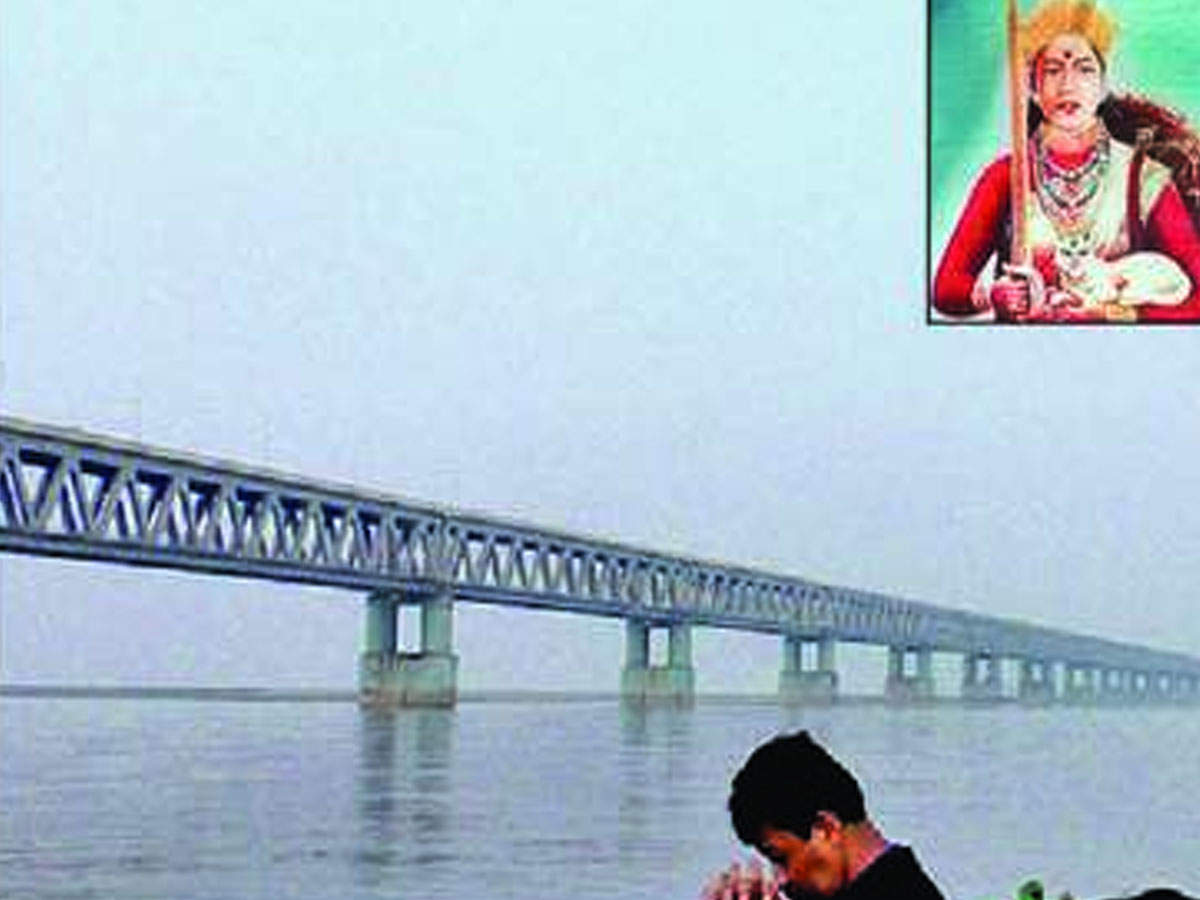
(403,795)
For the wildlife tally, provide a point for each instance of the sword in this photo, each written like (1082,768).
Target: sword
(1019,122)
(1020,258)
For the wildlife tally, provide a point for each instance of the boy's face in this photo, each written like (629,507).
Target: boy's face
(816,865)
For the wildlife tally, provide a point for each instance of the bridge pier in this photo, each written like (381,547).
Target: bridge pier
(1161,687)
(1079,684)
(1114,685)
(1152,689)
(1190,688)
(643,683)
(389,677)
(1181,688)
(1177,687)
(1036,682)
(1139,686)
(1187,688)
(981,677)
(1174,687)
(909,683)
(800,684)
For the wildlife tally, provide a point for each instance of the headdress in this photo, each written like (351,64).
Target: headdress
(1056,17)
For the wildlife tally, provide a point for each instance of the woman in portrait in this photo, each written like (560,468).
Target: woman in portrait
(1112,203)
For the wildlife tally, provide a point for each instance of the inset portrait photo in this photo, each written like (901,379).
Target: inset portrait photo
(1064,162)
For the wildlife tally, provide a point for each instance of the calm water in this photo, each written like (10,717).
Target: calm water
(176,798)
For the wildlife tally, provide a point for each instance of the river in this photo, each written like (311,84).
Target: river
(104,797)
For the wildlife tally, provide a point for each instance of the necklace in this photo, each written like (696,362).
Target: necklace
(1068,194)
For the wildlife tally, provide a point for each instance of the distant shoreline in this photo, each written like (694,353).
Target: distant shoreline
(175,693)
(292,695)
(289,695)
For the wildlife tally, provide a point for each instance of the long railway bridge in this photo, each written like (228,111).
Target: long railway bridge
(67,493)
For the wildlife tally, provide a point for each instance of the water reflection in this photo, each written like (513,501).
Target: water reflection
(403,794)
(656,774)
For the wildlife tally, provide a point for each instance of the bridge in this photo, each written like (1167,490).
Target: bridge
(67,493)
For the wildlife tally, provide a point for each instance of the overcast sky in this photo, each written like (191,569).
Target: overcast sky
(649,271)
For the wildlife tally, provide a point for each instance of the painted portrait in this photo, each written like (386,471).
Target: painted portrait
(1064,162)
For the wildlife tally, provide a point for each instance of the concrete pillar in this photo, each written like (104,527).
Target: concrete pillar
(1140,687)
(679,646)
(1036,682)
(643,683)
(379,623)
(437,624)
(1072,683)
(904,686)
(426,678)
(1154,691)
(1079,684)
(925,666)
(793,649)
(1177,687)
(981,677)
(825,652)
(990,681)
(800,685)
(1184,688)
(970,665)
(1127,685)
(1117,685)
(637,644)
(1114,683)
(992,676)
(1139,684)
(1162,687)
(433,674)
(377,660)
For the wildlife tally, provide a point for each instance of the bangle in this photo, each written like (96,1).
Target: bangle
(979,299)
(1117,312)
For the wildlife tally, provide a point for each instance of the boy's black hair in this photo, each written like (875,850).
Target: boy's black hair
(785,783)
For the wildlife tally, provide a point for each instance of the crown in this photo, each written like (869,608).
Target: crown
(1057,17)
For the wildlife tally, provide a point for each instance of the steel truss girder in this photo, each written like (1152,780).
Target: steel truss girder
(70,494)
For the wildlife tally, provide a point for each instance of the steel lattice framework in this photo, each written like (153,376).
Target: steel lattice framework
(66,493)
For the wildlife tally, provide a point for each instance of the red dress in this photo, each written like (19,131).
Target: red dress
(1168,229)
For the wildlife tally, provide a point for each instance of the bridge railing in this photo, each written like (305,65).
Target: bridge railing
(66,495)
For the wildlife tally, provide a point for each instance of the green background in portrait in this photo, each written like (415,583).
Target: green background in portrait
(1156,53)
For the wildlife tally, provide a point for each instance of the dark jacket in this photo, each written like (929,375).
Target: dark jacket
(894,875)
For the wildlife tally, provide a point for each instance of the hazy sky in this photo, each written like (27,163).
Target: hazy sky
(650,271)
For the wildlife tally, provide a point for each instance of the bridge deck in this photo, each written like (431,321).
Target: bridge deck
(67,493)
